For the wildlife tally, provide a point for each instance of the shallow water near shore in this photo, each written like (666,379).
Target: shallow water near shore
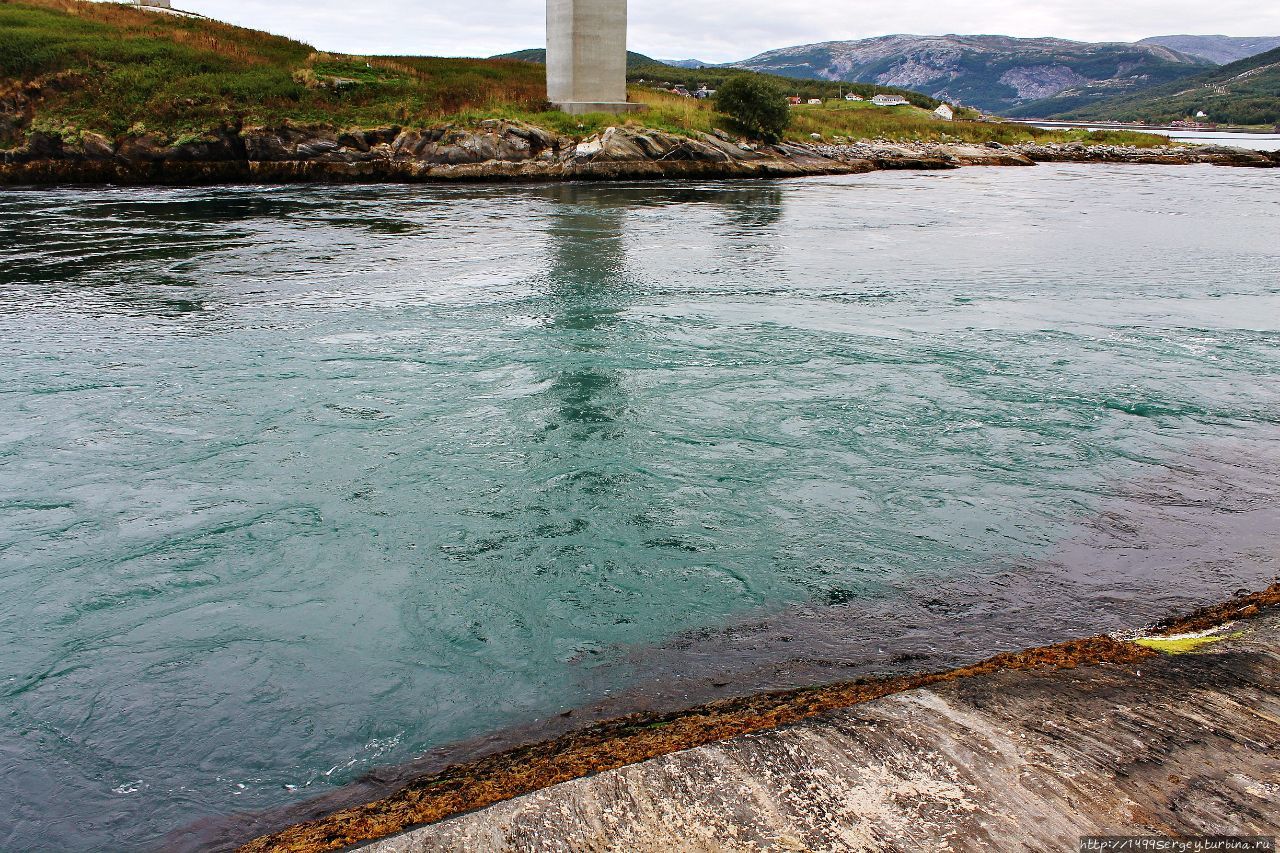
(297,482)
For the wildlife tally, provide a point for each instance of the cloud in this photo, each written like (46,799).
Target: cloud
(724,30)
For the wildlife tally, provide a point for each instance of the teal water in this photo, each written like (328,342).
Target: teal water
(296,482)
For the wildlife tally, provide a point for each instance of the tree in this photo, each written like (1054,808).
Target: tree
(757,105)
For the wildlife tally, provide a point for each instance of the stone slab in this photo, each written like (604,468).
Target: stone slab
(1186,744)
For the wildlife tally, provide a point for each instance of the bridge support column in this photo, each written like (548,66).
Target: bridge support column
(587,56)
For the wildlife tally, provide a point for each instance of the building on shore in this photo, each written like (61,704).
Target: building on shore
(889,101)
(165,7)
(944,112)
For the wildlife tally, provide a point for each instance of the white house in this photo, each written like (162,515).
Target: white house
(889,100)
(817,102)
(944,112)
(853,97)
(163,6)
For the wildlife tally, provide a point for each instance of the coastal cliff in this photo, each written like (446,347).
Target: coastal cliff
(501,150)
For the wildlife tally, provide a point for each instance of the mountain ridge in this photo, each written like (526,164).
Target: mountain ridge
(992,72)
(1220,49)
(1243,92)
(538,55)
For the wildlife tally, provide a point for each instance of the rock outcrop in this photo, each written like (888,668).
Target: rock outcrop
(1168,731)
(492,151)
(497,150)
(1171,746)
(930,155)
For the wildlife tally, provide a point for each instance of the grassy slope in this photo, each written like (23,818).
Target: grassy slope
(839,121)
(125,68)
(1244,92)
(116,70)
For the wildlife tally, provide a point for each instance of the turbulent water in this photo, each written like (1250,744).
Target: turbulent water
(295,482)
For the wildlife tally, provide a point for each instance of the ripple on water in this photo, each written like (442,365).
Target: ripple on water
(299,481)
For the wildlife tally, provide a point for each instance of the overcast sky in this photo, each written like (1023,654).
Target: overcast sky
(725,30)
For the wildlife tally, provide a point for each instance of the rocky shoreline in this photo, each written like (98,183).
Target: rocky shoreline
(1174,744)
(498,150)
(1082,735)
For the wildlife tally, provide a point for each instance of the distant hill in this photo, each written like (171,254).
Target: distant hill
(1243,92)
(1219,49)
(685,63)
(654,72)
(539,55)
(995,73)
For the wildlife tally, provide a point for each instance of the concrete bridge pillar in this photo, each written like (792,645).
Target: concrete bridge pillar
(587,56)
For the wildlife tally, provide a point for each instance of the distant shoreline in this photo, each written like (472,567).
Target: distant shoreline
(1143,128)
(509,151)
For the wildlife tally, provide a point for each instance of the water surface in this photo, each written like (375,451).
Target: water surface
(299,481)
(1232,138)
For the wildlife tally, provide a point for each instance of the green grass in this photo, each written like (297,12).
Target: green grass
(115,69)
(837,121)
(834,122)
(118,68)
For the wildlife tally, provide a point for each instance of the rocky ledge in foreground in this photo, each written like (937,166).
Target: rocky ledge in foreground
(1174,733)
(1177,745)
(513,151)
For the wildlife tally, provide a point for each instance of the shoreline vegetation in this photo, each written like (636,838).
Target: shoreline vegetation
(109,93)
(603,746)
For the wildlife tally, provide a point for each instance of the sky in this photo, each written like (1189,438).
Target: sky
(726,30)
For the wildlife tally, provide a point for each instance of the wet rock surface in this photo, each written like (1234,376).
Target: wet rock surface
(1083,736)
(497,150)
(1169,745)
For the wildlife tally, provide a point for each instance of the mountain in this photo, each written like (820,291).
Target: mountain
(1243,92)
(685,63)
(643,70)
(996,73)
(539,55)
(1219,49)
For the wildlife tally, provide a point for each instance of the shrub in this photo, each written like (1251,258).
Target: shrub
(758,106)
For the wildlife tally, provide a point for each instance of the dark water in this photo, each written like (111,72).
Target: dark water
(295,482)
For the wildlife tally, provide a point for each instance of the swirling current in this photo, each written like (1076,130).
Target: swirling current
(300,481)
